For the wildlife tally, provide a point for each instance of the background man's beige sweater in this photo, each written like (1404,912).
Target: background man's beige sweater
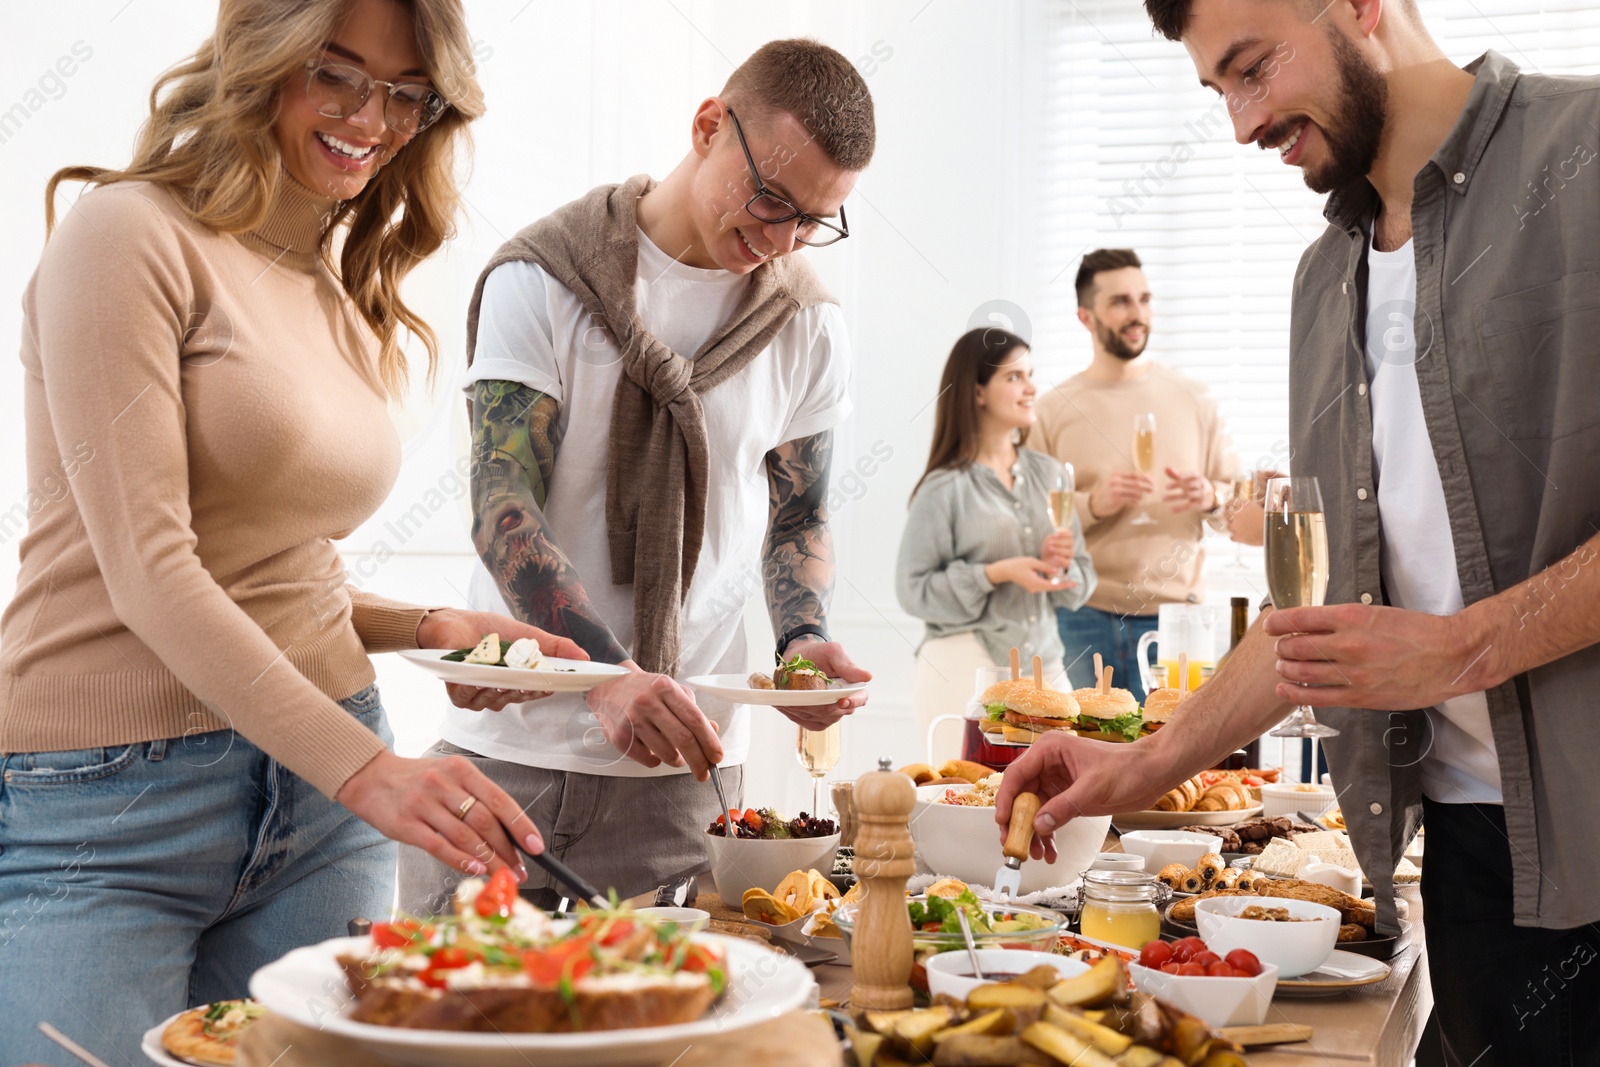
(212,402)
(1090,425)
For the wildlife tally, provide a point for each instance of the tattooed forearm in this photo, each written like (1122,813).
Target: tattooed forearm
(798,562)
(514,440)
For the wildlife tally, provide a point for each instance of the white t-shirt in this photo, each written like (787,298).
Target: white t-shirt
(534,331)
(1419,557)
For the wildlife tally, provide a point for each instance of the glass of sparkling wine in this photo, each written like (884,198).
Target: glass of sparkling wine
(1296,539)
(1061,501)
(1144,458)
(1244,491)
(818,751)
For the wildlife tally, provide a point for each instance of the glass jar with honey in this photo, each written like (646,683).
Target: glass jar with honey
(1120,907)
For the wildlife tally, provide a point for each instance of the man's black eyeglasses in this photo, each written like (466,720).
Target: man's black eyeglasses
(770,207)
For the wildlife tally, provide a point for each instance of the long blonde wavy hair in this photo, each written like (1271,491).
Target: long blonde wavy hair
(209,140)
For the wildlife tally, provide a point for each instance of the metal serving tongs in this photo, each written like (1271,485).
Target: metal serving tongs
(722,798)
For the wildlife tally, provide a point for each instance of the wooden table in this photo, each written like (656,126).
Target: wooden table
(1377,1024)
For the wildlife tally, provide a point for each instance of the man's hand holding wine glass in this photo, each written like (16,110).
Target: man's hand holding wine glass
(1361,656)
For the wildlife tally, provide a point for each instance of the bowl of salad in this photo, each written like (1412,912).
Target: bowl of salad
(935,928)
(764,847)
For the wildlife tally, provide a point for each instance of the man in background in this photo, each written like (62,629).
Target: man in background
(1145,540)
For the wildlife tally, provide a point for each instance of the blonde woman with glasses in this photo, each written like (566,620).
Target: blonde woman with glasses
(196,774)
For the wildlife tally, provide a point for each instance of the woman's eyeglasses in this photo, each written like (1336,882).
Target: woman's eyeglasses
(338,91)
(770,207)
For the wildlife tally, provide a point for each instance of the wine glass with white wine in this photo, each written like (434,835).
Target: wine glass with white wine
(1144,458)
(818,751)
(1061,499)
(1244,491)
(1297,575)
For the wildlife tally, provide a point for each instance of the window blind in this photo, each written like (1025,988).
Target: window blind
(1135,154)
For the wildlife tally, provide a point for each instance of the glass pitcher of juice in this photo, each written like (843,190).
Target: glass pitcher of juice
(1120,907)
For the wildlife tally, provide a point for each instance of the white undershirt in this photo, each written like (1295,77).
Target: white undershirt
(1419,557)
(535,331)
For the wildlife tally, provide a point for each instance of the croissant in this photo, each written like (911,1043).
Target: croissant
(1173,874)
(1181,797)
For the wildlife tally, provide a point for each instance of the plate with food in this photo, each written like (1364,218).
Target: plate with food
(794,683)
(207,1036)
(498,982)
(1176,820)
(499,664)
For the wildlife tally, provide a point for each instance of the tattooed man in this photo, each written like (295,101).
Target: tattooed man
(654,386)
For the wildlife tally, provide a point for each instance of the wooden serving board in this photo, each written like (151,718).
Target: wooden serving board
(798,1039)
(1268,1034)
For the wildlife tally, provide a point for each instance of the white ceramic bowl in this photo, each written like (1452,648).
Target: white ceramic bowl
(738,864)
(1286,798)
(1161,847)
(951,972)
(693,920)
(1295,947)
(1219,1001)
(964,843)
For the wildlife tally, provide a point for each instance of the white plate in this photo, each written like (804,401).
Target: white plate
(736,687)
(308,987)
(1340,971)
(1171,820)
(151,1045)
(551,676)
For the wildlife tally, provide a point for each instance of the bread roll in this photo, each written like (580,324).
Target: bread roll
(963,768)
(920,773)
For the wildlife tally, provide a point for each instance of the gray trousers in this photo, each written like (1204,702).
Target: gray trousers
(627,834)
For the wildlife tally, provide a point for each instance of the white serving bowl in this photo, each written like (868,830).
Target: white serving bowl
(1161,847)
(1286,798)
(964,843)
(692,920)
(1295,947)
(738,863)
(951,972)
(1219,1001)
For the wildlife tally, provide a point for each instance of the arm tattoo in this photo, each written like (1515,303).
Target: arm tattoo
(514,440)
(797,566)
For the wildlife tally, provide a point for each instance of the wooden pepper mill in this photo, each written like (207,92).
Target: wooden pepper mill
(881,951)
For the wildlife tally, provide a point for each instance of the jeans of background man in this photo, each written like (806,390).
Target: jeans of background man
(139,880)
(1116,637)
(1535,1002)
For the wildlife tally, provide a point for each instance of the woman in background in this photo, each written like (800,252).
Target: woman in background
(980,560)
(196,773)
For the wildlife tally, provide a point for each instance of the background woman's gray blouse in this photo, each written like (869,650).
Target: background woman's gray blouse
(960,521)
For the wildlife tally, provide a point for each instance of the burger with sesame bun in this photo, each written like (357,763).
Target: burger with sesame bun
(1108,714)
(1159,707)
(1025,712)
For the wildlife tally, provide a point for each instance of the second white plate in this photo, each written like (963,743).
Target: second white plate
(1171,820)
(737,688)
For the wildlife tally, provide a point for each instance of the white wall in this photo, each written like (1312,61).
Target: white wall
(584,93)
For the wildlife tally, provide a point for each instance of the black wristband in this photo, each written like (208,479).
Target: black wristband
(791,636)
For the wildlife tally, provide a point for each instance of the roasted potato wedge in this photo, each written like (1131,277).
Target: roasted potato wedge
(1094,988)
(998,1021)
(1103,1038)
(1068,1048)
(984,1050)
(865,1044)
(1006,995)
(1041,977)
(911,1030)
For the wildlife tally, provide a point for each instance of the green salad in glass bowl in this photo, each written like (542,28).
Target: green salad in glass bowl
(935,928)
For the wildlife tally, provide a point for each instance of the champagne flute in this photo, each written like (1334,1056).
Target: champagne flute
(1244,491)
(818,752)
(1062,502)
(1144,458)
(1296,539)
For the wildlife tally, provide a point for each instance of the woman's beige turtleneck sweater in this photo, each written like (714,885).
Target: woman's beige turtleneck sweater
(204,419)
